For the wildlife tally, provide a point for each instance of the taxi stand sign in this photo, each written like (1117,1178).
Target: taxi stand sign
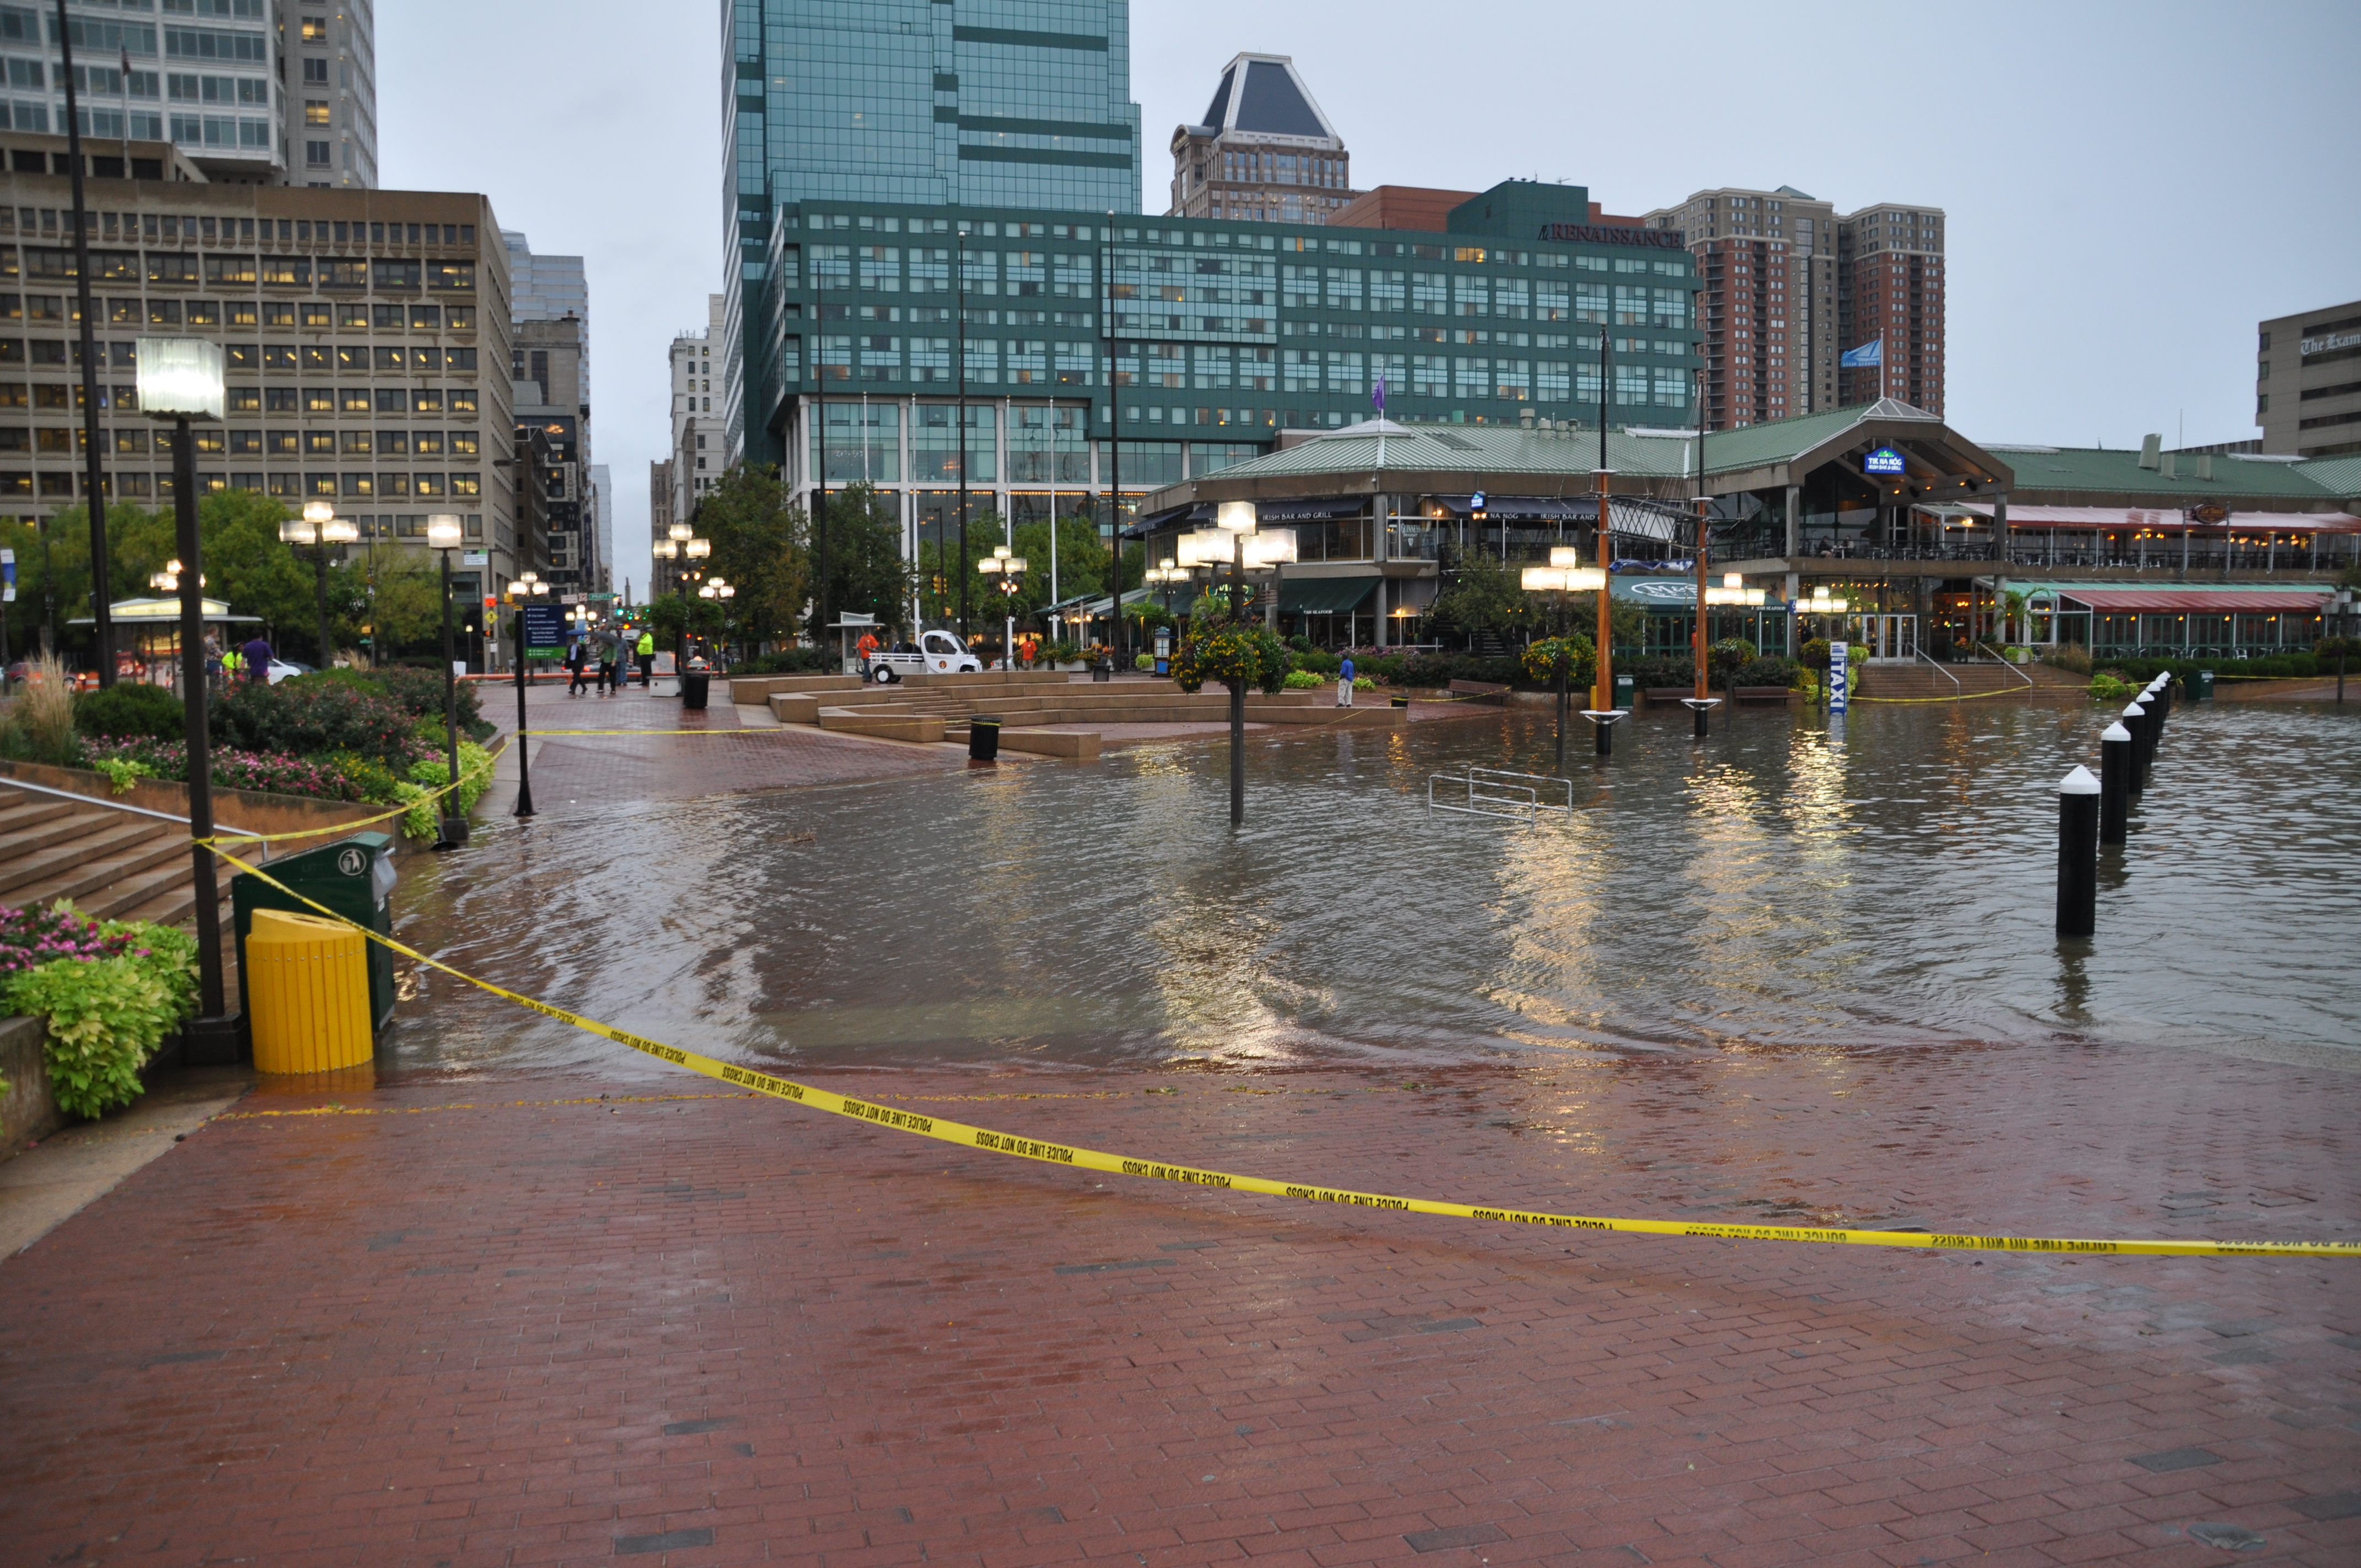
(1839,675)
(7,576)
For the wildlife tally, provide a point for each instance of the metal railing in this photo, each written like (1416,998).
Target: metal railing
(1935,665)
(2002,660)
(1495,792)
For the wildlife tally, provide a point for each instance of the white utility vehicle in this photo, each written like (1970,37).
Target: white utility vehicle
(940,652)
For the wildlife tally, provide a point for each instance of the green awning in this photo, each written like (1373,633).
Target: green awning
(1322,596)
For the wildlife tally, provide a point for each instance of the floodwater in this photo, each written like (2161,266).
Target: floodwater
(1784,886)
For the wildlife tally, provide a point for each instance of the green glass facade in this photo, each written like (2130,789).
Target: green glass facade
(1196,341)
(922,103)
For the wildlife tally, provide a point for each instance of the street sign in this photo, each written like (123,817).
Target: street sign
(475,557)
(545,628)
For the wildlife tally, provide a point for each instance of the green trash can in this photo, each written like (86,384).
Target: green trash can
(1624,691)
(2200,685)
(354,877)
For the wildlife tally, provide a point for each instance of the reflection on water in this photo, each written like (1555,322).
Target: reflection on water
(1774,888)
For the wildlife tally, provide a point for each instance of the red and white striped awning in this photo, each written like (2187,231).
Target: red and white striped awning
(2198,601)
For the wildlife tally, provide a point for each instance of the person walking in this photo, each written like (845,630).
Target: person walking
(577,656)
(610,662)
(1344,682)
(645,651)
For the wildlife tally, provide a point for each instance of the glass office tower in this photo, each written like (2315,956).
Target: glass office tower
(971,102)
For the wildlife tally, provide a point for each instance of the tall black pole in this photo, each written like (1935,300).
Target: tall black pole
(1237,687)
(210,1005)
(94,458)
(820,488)
(524,752)
(450,810)
(1114,456)
(959,573)
(320,569)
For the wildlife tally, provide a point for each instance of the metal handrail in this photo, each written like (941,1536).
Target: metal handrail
(219,830)
(1947,675)
(2002,660)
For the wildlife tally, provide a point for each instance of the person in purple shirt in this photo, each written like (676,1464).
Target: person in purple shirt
(257,661)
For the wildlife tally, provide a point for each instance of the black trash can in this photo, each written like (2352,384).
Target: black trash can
(983,740)
(354,877)
(694,685)
(1103,670)
(2200,686)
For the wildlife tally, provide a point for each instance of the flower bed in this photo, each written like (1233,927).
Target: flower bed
(110,991)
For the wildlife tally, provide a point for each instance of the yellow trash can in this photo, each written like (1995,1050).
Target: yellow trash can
(308,999)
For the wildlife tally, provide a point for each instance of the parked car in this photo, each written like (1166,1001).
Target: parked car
(282,668)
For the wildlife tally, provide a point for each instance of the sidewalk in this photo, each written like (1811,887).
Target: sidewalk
(514,1323)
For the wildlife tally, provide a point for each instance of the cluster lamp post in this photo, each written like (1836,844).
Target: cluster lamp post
(1564,576)
(526,587)
(181,381)
(1004,569)
(443,535)
(321,527)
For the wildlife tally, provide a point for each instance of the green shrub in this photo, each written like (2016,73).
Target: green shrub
(433,775)
(304,718)
(2107,687)
(38,726)
(1304,680)
(106,1016)
(129,708)
(784,661)
(122,773)
(1316,662)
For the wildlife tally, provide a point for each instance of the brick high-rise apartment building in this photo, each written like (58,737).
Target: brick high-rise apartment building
(1790,286)
(1767,261)
(1890,285)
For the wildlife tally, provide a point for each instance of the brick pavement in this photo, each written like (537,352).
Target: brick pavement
(706,1330)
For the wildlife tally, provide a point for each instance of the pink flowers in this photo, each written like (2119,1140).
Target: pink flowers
(30,938)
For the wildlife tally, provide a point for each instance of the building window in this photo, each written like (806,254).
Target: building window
(315,30)
(315,111)
(315,73)
(315,153)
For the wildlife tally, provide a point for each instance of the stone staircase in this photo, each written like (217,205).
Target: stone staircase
(1892,683)
(113,864)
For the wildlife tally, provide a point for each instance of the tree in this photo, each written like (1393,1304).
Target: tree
(866,572)
(759,548)
(1484,595)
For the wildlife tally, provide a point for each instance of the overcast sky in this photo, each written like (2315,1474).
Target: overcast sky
(2130,187)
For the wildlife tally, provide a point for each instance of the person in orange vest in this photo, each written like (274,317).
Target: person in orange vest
(866,647)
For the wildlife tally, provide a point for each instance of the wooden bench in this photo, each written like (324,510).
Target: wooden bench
(1763,693)
(1480,691)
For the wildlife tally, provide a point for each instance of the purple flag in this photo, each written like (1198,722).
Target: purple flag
(1377,394)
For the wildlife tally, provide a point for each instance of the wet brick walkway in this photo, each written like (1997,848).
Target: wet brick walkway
(593,773)
(512,1325)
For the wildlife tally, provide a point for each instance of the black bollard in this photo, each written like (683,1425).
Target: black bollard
(1602,725)
(2162,688)
(2135,720)
(2150,731)
(2114,784)
(2078,854)
(983,740)
(1701,711)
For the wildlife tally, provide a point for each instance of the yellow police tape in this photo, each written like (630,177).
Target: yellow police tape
(1050,1152)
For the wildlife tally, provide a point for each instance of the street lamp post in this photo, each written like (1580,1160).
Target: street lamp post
(524,587)
(1564,576)
(1004,570)
(321,527)
(443,535)
(180,381)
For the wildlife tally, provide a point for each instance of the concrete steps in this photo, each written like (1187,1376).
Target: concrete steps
(112,864)
(1895,683)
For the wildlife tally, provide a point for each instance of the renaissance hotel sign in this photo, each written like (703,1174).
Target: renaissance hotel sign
(1612,234)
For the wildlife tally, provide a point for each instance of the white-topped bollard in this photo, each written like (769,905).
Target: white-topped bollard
(2078,853)
(2114,784)
(2135,720)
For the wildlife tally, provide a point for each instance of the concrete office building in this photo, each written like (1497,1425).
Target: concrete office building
(365,334)
(252,92)
(701,444)
(991,103)
(1890,293)
(549,310)
(1767,262)
(1265,151)
(599,526)
(1219,335)
(665,576)
(2308,382)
